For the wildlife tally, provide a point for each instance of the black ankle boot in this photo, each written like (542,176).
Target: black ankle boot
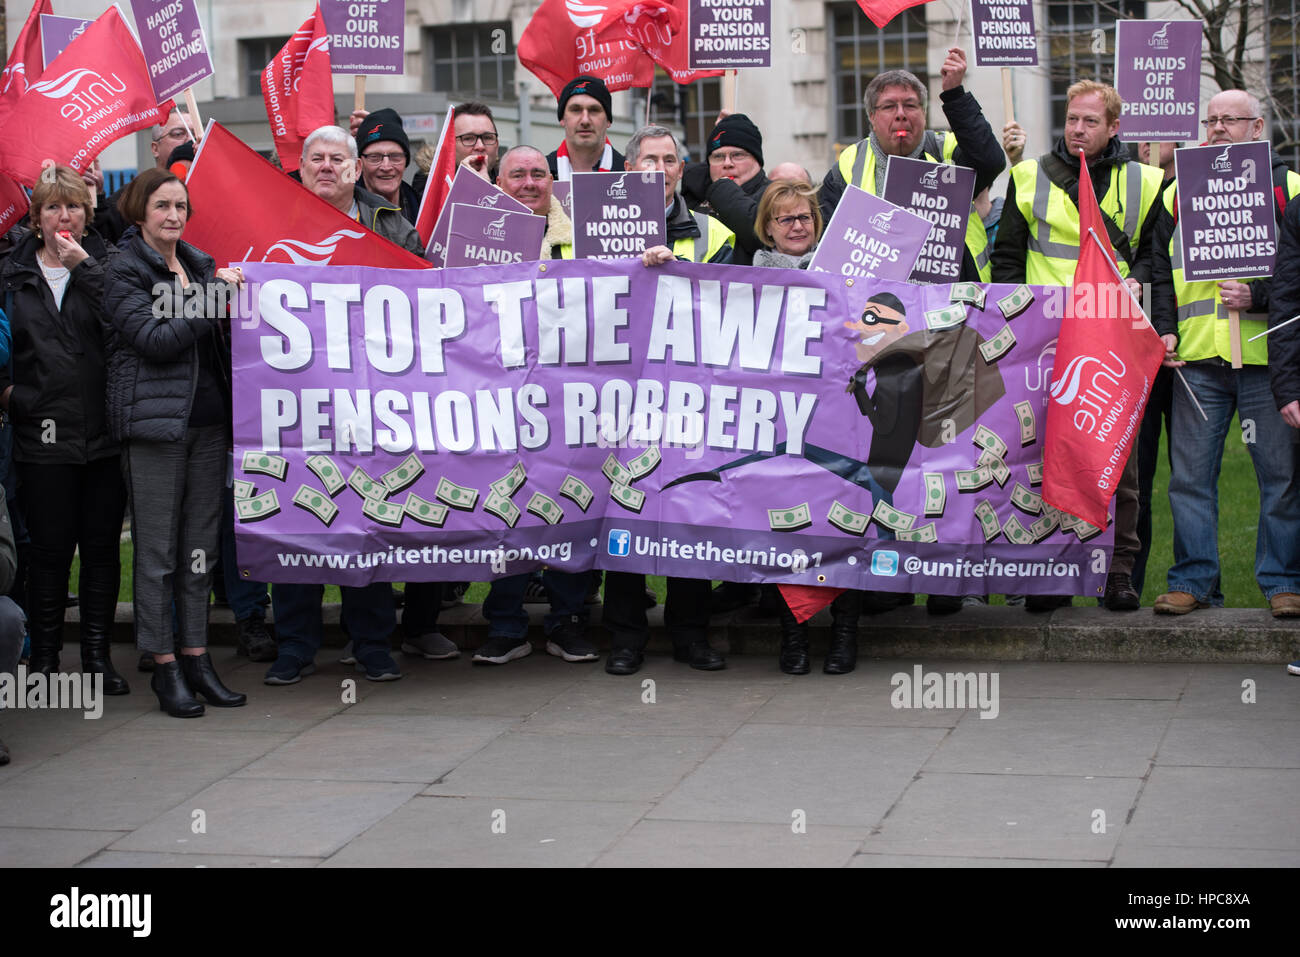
(202,679)
(96,660)
(98,601)
(173,693)
(842,654)
(794,643)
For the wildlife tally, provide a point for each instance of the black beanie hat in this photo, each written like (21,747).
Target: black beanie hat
(383,124)
(737,130)
(590,86)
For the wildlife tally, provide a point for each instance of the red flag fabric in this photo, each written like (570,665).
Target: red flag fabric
(13,203)
(1106,358)
(95,92)
(26,62)
(806,600)
(882,11)
(438,185)
(228,185)
(298,89)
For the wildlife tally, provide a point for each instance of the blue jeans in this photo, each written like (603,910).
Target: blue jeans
(504,607)
(1197,447)
(368,616)
(247,599)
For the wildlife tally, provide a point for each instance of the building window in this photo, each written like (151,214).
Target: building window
(254,55)
(1284,80)
(859,50)
(470,61)
(693,106)
(1071,40)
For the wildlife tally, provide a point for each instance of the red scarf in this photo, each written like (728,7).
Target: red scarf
(564,169)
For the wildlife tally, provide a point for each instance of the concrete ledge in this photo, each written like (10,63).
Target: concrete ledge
(987,633)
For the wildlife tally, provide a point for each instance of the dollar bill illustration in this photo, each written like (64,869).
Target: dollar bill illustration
(630,498)
(847,520)
(972,480)
(1002,343)
(457,496)
(1020,299)
(789,519)
(989,440)
(947,317)
(1028,425)
(330,475)
(968,292)
(316,502)
(258,507)
(1043,527)
(892,518)
(405,474)
(386,513)
(501,506)
(936,493)
(1001,471)
(243,489)
(264,463)
(1085,530)
(545,508)
(615,472)
(365,486)
(922,533)
(1025,500)
(576,490)
(988,519)
(1068,522)
(1016,533)
(424,511)
(645,463)
(510,483)
(1035,470)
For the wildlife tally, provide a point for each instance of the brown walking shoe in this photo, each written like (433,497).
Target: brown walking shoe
(1177,603)
(1285,605)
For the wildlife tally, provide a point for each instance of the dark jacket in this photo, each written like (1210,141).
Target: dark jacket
(409,199)
(380,217)
(1284,303)
(58,367)
(153,366)
(732,204)
(681,224)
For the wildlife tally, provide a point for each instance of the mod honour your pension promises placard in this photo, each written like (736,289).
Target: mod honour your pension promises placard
(1158,75)
(616,215)
(869,238)
(366,38)
(1226,210)
(481,235)
(1003,33)
(171,37)
(729,34)
(942,194)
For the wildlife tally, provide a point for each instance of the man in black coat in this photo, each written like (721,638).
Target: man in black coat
(729,184)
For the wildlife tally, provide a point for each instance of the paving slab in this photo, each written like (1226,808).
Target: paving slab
(124,859)
(1244,743)
(1241,691)
(903,860)
(516,689)
(50,846)
(1149,855)
(654,843)
(861,698)
(1243,808)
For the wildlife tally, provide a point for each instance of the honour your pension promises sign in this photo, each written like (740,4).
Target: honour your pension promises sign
(869,238)
(366,38)
(729,34)
(942,194)
(617,214)
(1003,31)
(171,37)
(57,32)
(1158,75)
(1226,210)
(482,234)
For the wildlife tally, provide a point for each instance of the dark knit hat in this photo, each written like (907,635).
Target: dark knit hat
(737,130)
(590,86)
(380,125)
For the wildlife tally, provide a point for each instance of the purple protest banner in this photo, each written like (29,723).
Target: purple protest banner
(1003,33)
(57,32)
(942,194)
(562,190)
(366,38)
(728,34)
(1158,75)
(686,419)
(470,189)
(617,214)
(869,238)
(481,235)
(172,39)
(1226,224)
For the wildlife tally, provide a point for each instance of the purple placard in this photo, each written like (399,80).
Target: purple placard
(1003,32)
(174,48)
(469,188)
(1226,210)
(728,34)
(683,420)
(57,32)
(562,190)
(366,38)
(942,194)
(1158,75)
(482,236)
(869,238)
(616,215)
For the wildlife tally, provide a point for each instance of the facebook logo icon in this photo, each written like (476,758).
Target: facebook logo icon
(620,542)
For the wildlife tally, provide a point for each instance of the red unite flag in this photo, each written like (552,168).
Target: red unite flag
(438,185)
(26,62)
(233,222)
(95,92)
(13,203)
(881,12)
(298,89)
(1106,358)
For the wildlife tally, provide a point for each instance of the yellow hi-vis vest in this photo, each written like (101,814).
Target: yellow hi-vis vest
(702,248)
(858,167)
(1202,316)
(1053,247)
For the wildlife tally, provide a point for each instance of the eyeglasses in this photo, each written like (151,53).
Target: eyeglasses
(785,222)
(469,139)
(734,157)
(377,159)
(1226,120)
(177,133)
(907,106)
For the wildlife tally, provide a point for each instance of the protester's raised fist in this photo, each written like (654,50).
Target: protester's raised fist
(1013,141)
(476,163)
(953,71)
(356,119)
(657,256)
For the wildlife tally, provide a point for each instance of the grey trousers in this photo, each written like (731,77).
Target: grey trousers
(175,493)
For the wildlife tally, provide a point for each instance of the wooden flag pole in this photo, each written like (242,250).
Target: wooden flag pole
(1234,337)
(196,129)
(1008,107)
(729,91)
(359,93)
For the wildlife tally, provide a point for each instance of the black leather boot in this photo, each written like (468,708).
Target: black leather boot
(842,655)
(98,605)
(173,693)
(47,595)
(794,658)
(202,679)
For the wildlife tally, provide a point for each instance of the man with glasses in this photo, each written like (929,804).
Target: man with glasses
(476,138)
(731,181)
(1192,319)
(385,153)
(896,103)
